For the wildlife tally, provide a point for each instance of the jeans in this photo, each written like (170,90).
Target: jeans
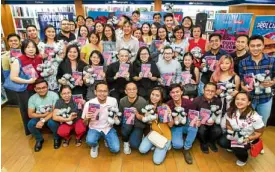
(177,140)
(263,110)
(132,134)
(36,131)
(159,154)
(111,139)
(200,88)
(209,133)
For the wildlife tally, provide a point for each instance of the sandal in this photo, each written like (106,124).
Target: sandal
(66,143)
(78,142)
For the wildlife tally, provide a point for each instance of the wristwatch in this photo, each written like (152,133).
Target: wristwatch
(43,120)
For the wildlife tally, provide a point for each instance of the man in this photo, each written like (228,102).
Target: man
(157,17)
(99,125)
(65,32)
(215,50)
(132,130)
(208,134)
(241,51)
(176,93)
(169,22)
(136,18)
(90,23)
(43,99)
(128,41)
(72,26)
(32,33)
(119,31)
(258,63)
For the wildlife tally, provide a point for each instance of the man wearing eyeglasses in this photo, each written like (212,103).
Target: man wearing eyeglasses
(40,110)
(65,33)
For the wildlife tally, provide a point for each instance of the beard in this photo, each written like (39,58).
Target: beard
(65,31)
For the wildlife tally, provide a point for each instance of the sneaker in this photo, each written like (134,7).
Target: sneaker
(213,147)
(262,151)
(94,151)
(240,163)
(187,156)
(229,150)
(127,149)
(204,148)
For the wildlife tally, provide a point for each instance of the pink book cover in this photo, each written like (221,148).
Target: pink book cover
(107,57)
(94,109)
(81,40)
(78,99)
(167,79)
(221,86)
(15,52)
(158,43)
(49,51)
(77,77)
(98,70)
(249,80)
(235,144)
(145,69)
(142,44)
(211,62)
(193,116)
(205,115)
(30,71)
(123,69)
(186,77)
(129,116)
(163,114)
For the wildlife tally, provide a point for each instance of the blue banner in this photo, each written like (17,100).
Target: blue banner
(52,18)
(231,25)
(265,26)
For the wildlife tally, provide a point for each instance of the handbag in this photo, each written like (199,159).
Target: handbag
(157,139)
(9,84)
(190,90)
(256,148)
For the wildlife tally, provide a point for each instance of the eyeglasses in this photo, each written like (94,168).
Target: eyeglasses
(168,53)
(210,91)
(67,24)
(41,88)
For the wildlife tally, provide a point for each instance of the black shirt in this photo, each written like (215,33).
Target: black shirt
(237,60)
(201,102)
(60,36)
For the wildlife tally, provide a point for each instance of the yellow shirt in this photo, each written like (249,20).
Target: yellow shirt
(147,39)
(87,50)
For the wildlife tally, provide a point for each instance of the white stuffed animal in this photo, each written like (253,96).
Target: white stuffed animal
(205,68)
(65,113)
(47,69)
(257,81)
(169,7)
(149,113)
(237,135)
(180,114)
(68,80)
(90,76)
(216,115)
(112,113)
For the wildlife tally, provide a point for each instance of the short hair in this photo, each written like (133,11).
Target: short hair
(168,15)
(79,17)
(172,86)
(65,20)
(167,47)
(211,84)
(25,44)
(127,22)
(90,18)
(73,22)
(131,82)
(13,35)
(126,18)
(64,87)
(94,33)
(215,34)
(101,83)
(124,49)
(31,25)
(39,81)
(243,35)
(188,17)
(254,37)
(136,12)
(156,14)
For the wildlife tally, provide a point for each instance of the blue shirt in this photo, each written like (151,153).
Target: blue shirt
(248,66)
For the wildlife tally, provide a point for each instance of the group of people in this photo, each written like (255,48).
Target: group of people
(158,81)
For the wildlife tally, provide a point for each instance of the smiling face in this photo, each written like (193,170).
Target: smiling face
(50,33)
(168,22)
(209,92)
(66,26)
(215,43)
(187,61)
(196,32)
(89,22)
(186,23)
(32,32)
(162,33)
(168,54)
(14,42)
(137,34)
(30,50)
(108,32)
(95,59)
(41,89)
(242,101)
(145,29)
(80,21)
(154,29)
(127,29)
(135,18)
(83,32)
(101,92)
(66,94)
(155,96)
(157,18)
(123,56)
(72,54)
(131,90)
(144,55)
(179,34)
(256,47)
(241,43)
(93,39)
(176,93)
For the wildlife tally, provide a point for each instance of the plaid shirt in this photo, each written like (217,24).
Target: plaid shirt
(247,66)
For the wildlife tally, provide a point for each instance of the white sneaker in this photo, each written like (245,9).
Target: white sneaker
(229,150)
(127,149)
(240,163)
(262,151)
(105,143)
(94,151)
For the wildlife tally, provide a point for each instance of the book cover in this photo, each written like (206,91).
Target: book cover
(94,109)
(81,40)
(15,52)
(77,77)
(193,117)
(205,115)
(167,78)
(78,98)
(129,116)
(211,62)
(98,70)
(158,43)
(186,77)
(221,86)
(163,114)
(142,44)
(49,51)
(107,55)
(123,69)
(235,144)
(145,69)
(109,46)
(30,71)
(249,80)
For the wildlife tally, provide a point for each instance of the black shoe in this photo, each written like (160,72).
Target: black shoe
(56,143)
(204,148)
(213,147)
(38,145)
(187,156)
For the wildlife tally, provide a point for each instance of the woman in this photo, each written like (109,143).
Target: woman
(179,45)
(146,33)
(145,80)
(242,118)
(99,29)
(94,44)
(156,98)
(80,21)
(137,33)
(187,24)
(30,57)
(83,33)
(72,65)
(108,41)
(154,30)
(96,62)
(74,119)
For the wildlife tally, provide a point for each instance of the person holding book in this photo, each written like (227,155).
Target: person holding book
(146,33)
(94,44)
(40,110)
(119,73)
(32,33)
(65,33)
(82,35)
(145,72)
(128,41)
(73,66)
(179,129)
(108,40)
(99,29)
(73,121)
(170,70)
(179,45)
(27,62)
(161,126)
(209,132)
(258,63)
(119,30)
(157,17)
(96,66)
(132,128)
(154,30)
(247,123)
(137,33)
(96,112)
(187,24)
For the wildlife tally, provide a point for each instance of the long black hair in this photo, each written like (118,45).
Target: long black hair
(192,67)
(161,95)
(138,60)
(69,48)
(167,35)
(104,38)
(45,37)
(80,29)
(187,17)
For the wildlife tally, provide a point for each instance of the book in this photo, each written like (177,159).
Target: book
(77,77)
(107,55)
(94,109)
(167,78)
(205,115)
(193,117)
(211,62)
(221,86)
(15,52)
(249,80)
(142,44)
(129,116)
(81,40)
(30,71)
(145,69)
(98,70)
(158,43)
(49,51)
(109,46)
(235,144)
(163,114)
(78,98)
(123,69)
(186,77)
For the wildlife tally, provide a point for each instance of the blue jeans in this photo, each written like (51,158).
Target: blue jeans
(159,154)
(177,140)
(36,131)
(111,139)
(263,110)
(132,134)
(200,88)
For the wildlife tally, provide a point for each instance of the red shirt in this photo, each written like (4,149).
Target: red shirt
(199,46)
(25,60)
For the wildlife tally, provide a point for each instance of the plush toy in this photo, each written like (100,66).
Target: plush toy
(180,52)
(149,113)
(169,7)
(206,67)
(90,77)
(257,81)
(113,21)
(112,113)
(237,135)
(68,80)
(65,113)
(227,90)
(216,115)
(43,109)
(180,114)
(46,69)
